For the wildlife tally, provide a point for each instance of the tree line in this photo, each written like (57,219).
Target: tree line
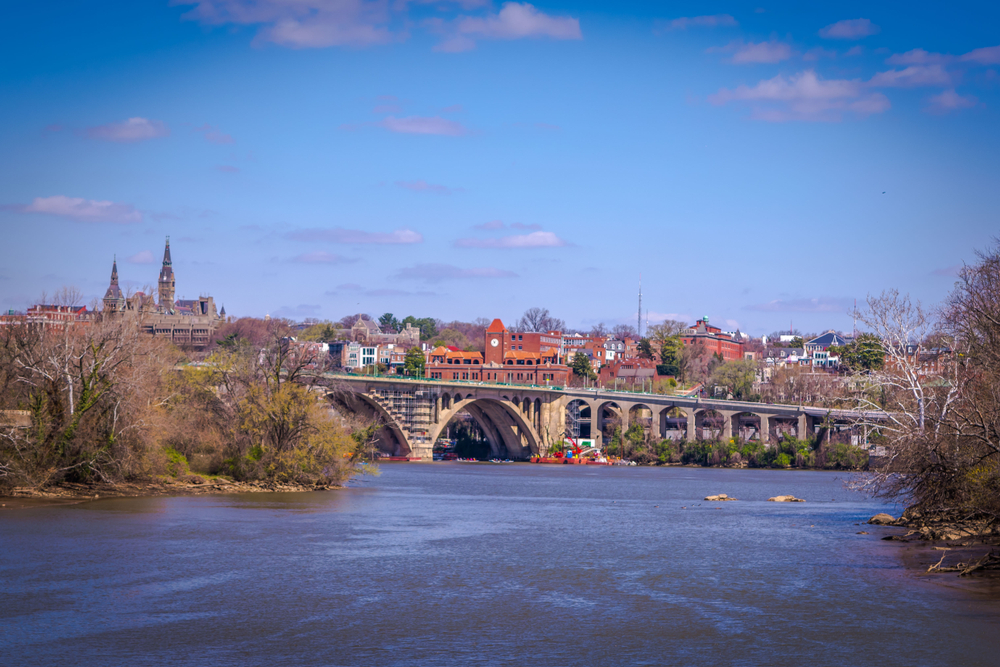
(105,402)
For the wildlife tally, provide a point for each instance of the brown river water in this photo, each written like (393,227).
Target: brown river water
(484,564)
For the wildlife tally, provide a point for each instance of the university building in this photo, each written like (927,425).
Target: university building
(187,322)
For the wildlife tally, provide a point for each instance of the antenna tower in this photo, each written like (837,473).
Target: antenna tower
(638,323)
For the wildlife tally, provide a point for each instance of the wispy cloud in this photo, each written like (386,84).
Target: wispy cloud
(817,53)
(918,57)
(214,135)
(490,226)
(83,210)
(913,76)
(129,131)
(357,290)
(705,21)
(849,29)
(311,24)
(357,236)
(142,257)
(300,24)
(228,169)
(949,101)
(435,273)
(986,56)
(532,240)
(321,257)
(745,53)
(424,186)
(515,20)
(423,125)
(822,304)
(804,96)
(494,225)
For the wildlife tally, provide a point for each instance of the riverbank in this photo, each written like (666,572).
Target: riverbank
(939,546)
(68,493)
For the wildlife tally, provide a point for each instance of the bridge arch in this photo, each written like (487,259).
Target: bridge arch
(674,423)
(505,424)
(580,420)
(390,438)
(642,414)
(747,426)
(610,415)
(709,424)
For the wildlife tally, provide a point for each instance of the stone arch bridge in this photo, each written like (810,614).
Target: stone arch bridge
(520,421)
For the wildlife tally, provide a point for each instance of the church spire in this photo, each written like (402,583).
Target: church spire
(114,300)
(166,286)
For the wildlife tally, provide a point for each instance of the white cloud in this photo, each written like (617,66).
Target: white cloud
(912,77)
(129,131)
(804,96)
(320,257)
(303,24)
(423,125)
(706,21)
(918,57)
(84,210)
(849,29)
(214,135)
(949,101)
(761,52)
(519,20)
(357,236)
(300,24)
(532,240)
(986,56)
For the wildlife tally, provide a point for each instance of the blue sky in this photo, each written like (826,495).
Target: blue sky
(757,163)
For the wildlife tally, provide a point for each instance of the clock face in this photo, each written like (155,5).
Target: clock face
(494,342)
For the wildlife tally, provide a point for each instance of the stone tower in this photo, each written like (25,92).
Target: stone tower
(114,300)
(166,281)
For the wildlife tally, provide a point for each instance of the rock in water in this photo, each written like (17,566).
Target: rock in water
(719,498)
(785,499)
(882,519)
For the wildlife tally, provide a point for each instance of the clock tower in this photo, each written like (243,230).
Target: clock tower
(497,343)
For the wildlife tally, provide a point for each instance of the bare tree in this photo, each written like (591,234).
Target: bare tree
(539,319)
(940,388)
(599,330)
(623,331)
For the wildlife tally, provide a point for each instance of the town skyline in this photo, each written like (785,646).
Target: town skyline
(475,159)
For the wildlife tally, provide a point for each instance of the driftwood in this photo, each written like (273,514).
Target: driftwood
(990,561)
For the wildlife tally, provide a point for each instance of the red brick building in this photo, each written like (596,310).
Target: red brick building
(511,357)
(728,346)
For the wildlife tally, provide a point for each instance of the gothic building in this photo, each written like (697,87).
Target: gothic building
(187,322)
(114,300)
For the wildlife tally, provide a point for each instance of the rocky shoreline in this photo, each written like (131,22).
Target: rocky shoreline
(190,485)
(965,547)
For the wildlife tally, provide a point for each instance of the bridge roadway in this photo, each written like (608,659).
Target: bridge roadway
(524,420)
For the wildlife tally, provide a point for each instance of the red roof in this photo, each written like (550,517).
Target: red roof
(496,325)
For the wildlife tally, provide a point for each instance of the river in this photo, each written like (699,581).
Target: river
(483,564)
